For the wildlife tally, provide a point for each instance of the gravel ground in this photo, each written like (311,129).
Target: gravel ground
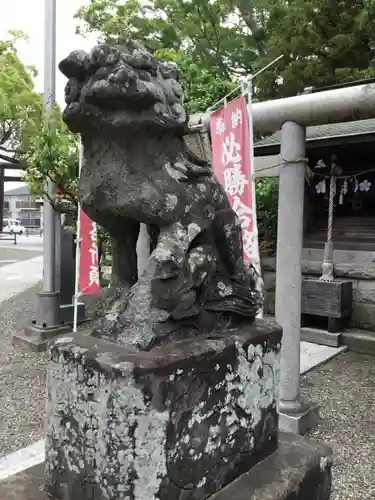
(345,389)
(22,378)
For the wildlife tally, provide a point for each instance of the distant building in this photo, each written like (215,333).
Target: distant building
(20,204)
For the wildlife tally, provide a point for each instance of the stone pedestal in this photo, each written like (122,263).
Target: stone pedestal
(192,420)
(300,469)
(180,421)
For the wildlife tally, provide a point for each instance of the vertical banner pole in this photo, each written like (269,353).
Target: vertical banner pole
(256,261)
(78,247)
(233,164)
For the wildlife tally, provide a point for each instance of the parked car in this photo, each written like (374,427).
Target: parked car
(13,226)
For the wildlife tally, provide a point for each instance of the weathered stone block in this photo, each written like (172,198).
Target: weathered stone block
(269,279)
(347,270)
(363,315)
(364,291)
(177,422)
(269,264)
(299,470)
(269,303)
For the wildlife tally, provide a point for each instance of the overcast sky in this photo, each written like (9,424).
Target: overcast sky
(28,16)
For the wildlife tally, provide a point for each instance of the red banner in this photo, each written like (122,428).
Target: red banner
(89,282)
(231,162)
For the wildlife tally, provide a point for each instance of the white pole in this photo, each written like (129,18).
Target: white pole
(256,260)
(78,248)
(249,92)
(49,222)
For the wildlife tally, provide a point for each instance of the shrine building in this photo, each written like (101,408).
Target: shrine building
(351,146)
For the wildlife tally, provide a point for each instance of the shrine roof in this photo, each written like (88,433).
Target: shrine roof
(323,135)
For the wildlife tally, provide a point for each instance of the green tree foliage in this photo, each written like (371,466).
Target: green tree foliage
(51,153)
(325,42)
(20,106)
(28,136)
(211,41)
(203,87)
(216,32)
(267,199)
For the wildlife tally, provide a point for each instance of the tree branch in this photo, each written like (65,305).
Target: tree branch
(10,159)
(206,36)
(66,191)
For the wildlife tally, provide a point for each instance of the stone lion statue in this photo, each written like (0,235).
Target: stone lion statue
(128,108)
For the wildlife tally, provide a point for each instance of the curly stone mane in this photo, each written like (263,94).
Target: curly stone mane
(122,87)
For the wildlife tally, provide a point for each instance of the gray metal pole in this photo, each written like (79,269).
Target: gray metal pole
(49,281)
(294,416)
(47,324)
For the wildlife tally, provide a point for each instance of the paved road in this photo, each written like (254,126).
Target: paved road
(20,269)
(11,255)
(33,242)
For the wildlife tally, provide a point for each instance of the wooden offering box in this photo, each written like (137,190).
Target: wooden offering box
(330,299)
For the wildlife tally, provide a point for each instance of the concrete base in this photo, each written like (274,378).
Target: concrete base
(67,313)
(37,338)
(321,337)
(361,341)
(299,470)
(301,422)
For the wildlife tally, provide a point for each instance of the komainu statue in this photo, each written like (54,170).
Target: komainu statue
(128,108)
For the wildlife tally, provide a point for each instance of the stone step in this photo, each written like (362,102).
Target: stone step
(321,337)
(356,340)
(344,228)
(322,237)
(344,234)
(361,341)
(342,245)
(351,256)
(347,222)
(351,227)
(341,241)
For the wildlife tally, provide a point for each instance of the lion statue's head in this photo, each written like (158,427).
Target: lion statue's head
(121,88)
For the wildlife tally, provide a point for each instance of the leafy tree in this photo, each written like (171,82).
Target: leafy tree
(20,106)
(221,34)
(325,42)
(203,87)
(40,143)
(51,153)
(267,200)
(214,42)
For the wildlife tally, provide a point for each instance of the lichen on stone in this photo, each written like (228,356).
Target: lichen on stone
(105,425)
